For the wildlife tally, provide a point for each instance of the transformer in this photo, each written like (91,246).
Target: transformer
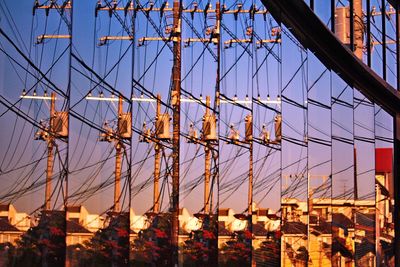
(248,128)
(209,131)
(162,127)
(278,128)
(125,125)
(60,124)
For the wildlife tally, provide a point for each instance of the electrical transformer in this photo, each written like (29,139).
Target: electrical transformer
(125,125)
(162,126)
(249,128)
(209,128)
(278,128)
(60,124)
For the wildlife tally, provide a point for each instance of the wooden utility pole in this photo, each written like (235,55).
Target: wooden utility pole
(355,175)
(250,193)
(207,170)
(50,154)
(157,161)
(118,161)
(176,105)
(358,29)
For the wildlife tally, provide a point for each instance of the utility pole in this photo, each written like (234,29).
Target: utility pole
(249,129)
(176,105)
(207,170)
(122,132)
(50,154)
(157,148)
(217,34)
(358,28)
(118,160)
(355,175)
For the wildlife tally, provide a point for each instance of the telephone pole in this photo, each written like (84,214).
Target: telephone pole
(157,161)
(207,170)
(358,29)
(176,105)
(250,193)
(50,154)
(118,160)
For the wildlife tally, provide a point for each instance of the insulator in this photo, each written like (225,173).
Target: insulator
(276,31)
(234,134)
(145,137)
(249,31)
(35,6)
(41,135)
(107,134)
(265,134)
(192,134)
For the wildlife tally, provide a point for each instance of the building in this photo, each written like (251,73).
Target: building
(12,223)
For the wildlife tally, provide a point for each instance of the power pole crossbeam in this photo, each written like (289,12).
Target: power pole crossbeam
(43,37)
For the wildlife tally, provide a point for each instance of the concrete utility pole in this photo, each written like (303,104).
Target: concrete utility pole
(157,161)
(207,170)
(176,105)
(50,154)
(118,161)
(358,29)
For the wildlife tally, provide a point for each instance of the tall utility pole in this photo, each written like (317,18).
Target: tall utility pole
(355,175)
(118,161)
(358,28)
(217,34)
(207,170)
(250,193)
(176,105)
(157,161)
(50,154)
